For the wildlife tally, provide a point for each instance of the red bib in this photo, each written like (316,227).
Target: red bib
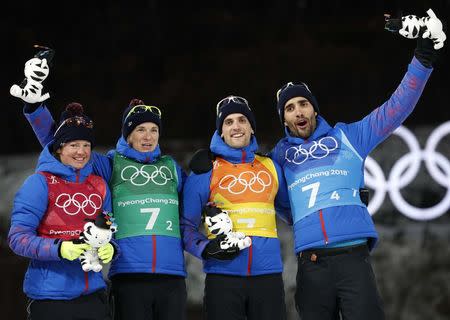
(69,204)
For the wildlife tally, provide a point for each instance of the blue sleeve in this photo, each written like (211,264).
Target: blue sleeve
(42,123)
(30,205)
(107,206)
(107,203)
(366,134)
(276,154)
(181,177)
(102,165)
(282,204)
(195,197)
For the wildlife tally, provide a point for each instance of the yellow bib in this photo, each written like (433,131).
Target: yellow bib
(247,191)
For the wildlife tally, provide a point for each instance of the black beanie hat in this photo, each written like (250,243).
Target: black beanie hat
(104,220)
(291,90)
(140,115)
(73,125)
(230,105)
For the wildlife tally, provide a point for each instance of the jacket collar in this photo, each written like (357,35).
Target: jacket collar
(126,150)
(322,129)
(233,155)
(48,163)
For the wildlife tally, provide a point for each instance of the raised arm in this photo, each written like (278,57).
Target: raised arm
(366,134)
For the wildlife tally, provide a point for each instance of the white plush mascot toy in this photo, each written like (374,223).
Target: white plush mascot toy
(36,71)
(410,26)
(219,222)
(96,233)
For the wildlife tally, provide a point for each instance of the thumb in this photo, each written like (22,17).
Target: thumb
(431,13)
(44,63)
(84,246)
(426,34)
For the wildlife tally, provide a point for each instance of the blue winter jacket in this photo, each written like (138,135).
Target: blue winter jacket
(49,276)
(265,256)
(324,172)
(139,254)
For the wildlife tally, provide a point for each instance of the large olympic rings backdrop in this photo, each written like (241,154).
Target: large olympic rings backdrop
(405,171)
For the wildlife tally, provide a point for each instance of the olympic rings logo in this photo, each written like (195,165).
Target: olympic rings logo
(256,183)
(318,150)
(405,171)
(142,176)
(73,204)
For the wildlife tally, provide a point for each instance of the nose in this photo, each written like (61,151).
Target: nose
(82,150)
(235,126)
(298,111)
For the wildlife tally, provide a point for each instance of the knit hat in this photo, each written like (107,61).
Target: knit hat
(291,90)
(233,104)
(73,125)
(136,113)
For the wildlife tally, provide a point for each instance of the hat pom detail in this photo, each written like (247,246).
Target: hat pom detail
(74,109)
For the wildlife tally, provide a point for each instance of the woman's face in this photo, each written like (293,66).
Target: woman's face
(145,137)
(75,153)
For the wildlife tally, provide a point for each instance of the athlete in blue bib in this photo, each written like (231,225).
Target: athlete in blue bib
(324,171)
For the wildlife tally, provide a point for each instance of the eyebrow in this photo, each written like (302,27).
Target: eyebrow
(299,101)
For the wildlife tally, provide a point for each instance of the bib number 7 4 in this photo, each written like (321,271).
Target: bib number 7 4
(314,187)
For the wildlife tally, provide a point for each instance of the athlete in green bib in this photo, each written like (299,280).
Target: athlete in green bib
(145,198)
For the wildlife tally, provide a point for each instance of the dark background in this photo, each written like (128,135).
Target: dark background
(186,56)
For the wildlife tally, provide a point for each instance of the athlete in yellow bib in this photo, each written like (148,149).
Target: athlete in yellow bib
(252,189)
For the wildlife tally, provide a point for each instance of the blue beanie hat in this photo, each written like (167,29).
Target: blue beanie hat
(230,105)
(140,114)
(291,90)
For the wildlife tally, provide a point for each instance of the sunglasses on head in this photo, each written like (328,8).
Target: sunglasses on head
(140,108)
(290,84)
(227,100)
(76,121)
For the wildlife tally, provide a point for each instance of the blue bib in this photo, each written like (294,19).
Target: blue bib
(323,173)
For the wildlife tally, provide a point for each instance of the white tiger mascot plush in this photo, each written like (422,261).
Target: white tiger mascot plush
(410,28)
(96,233)
(218,222)
(36,71)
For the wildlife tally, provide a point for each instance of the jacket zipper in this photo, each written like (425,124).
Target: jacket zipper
(154,253)
(250,256)
(322,224)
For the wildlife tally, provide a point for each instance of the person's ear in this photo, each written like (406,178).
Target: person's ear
(253,132)
(315,113)
(221,135)
(285,124)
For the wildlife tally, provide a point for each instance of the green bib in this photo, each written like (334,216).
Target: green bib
(145,197)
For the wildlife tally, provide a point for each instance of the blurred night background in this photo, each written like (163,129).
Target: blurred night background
(186,56)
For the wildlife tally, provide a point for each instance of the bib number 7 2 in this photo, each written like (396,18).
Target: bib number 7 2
(154,212)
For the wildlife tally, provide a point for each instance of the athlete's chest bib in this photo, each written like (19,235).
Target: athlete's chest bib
(69,204)
(323,173)
(247,191)
(145,197)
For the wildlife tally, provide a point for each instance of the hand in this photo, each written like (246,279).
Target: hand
(106,253)
(425,51)
(30,91)
(37,69)
(214,249)
(201,161)
(72,251)
(434,30)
